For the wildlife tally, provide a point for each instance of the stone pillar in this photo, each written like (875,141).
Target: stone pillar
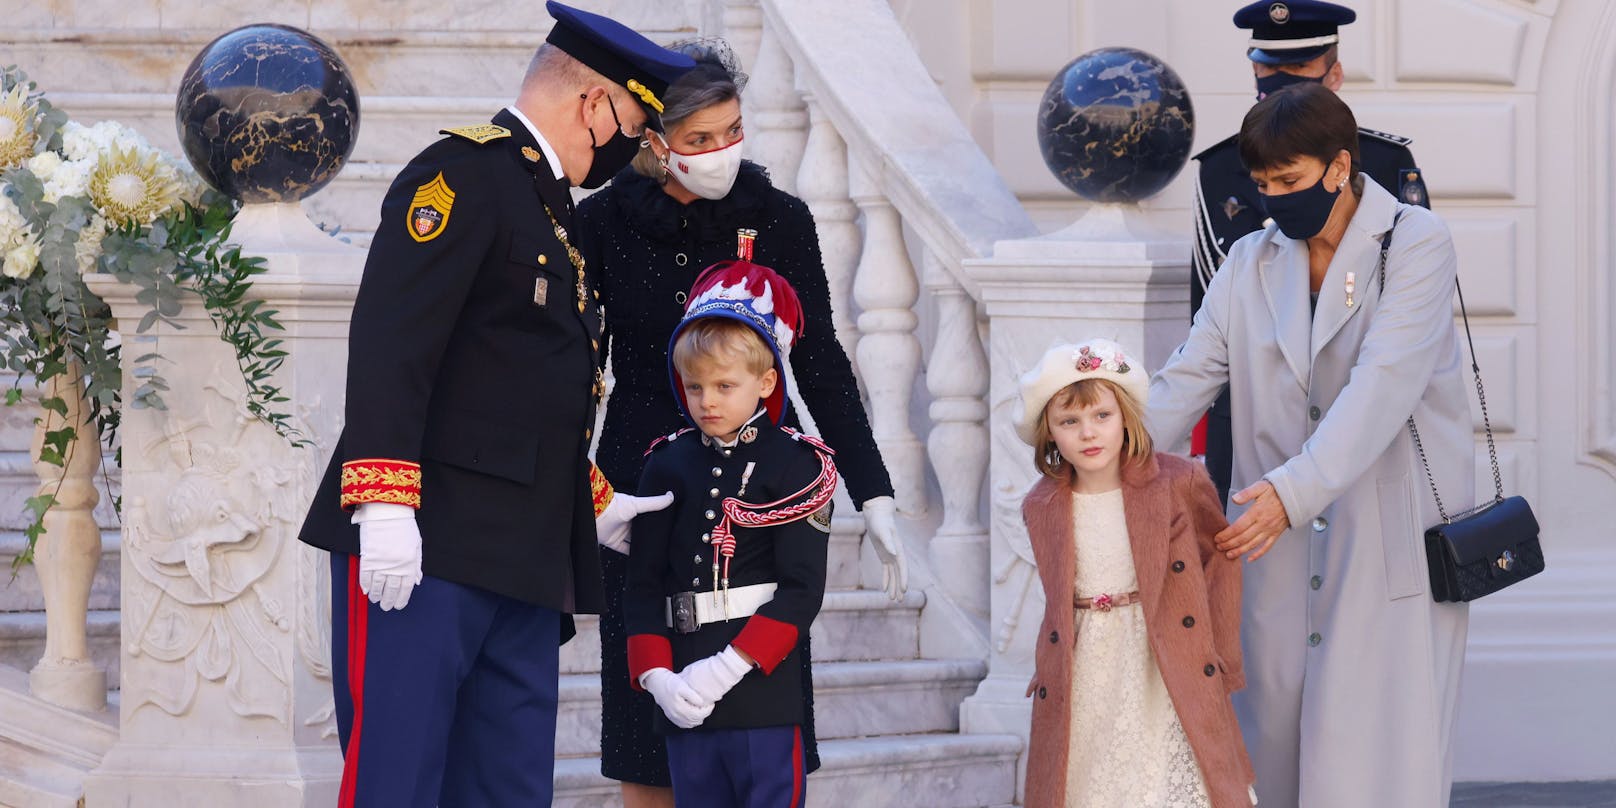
(226,616)
(1108,275)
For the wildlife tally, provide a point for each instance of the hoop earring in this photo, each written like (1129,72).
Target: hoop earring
(1052,456)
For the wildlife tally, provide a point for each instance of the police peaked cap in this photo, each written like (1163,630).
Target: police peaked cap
(617,52)
(1288,32)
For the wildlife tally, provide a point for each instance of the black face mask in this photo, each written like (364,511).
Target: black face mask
(611,156)
(1268,85)
(1301,214)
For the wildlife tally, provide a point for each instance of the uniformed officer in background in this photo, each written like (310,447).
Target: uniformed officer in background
(1291,42)
(457,507)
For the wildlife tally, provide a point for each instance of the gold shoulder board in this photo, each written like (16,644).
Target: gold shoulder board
(481,133)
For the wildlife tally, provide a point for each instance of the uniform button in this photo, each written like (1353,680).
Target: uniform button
(718,472)
(680,258)
(710,515)
(695,582)
(1054,636)
(1315,582)
(706,538)
(1189,622)
(728,452)
(1042,692)
(588,433)
(713,493)
(1178,566)
(1209,670)
(698,559)
(1314,639)
(594,344)
(1319,524)
(543,259)
(1313,412)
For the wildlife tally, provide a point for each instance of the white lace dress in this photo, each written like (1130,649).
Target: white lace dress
(1127,745)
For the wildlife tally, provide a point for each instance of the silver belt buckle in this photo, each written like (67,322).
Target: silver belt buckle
(684,613)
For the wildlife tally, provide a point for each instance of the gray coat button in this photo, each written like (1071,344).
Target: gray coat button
(1319,524)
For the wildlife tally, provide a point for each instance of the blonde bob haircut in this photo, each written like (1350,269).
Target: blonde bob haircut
(1136,444)
(720,339)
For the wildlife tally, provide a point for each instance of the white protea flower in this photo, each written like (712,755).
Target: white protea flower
(133,186)
(22,258)
(17,135)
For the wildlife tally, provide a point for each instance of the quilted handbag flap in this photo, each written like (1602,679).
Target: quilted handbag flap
(1488,533)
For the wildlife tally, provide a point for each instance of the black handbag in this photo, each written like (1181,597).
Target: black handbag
(1493,545)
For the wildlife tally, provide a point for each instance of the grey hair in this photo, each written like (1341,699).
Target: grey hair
(712,82)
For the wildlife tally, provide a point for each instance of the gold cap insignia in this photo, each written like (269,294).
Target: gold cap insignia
(429,210)
(645,95)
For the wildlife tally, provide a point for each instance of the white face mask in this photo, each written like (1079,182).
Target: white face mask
(708,174)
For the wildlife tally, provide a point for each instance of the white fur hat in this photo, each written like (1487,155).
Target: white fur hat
(1068,363)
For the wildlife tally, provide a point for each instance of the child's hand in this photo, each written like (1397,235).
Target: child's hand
(1032,685)
(1256,529)
(712,678)
(682,705)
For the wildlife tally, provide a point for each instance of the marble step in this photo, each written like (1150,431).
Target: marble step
(22,640)
(854,624)
(851,699)
(21,593)
(892,771)
(45,750)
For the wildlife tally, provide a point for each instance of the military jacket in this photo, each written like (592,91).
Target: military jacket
(472,375)
(673,551)
(1227,205)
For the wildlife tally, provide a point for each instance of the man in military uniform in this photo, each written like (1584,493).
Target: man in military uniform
(1291,42)
(458,505)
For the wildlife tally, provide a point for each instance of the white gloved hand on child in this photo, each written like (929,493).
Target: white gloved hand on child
(881,525)
(389,553)
(612,525)
(681,704)
(716,675)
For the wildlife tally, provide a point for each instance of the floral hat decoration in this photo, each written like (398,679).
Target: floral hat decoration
(1069,363)
(752,294)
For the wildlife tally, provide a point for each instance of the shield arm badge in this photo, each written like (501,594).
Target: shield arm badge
(429,210)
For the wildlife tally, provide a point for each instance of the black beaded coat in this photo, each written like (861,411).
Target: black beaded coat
(647,248)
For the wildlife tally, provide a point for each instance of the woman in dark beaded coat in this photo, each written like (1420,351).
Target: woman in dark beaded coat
(650,233)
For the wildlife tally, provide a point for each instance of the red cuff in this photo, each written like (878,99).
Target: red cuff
(646,652)
(1198,438)
(381,480)
(600,490)
(767,641)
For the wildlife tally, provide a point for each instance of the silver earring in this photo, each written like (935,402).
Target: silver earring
(1052,455)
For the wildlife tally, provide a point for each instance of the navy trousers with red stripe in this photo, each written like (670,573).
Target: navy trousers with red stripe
(448,702)
(738,768)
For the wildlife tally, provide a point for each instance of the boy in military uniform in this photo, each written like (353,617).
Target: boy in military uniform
(458,507)
(722,584)
(1291,42)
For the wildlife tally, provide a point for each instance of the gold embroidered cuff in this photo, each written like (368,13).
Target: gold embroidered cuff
(599,489)
(380,480)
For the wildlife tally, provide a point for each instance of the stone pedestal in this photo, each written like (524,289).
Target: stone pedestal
(226,629)
(1108,275)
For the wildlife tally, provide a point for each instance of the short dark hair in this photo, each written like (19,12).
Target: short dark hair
(1302,120)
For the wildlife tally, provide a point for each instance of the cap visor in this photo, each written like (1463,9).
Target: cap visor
(1295,56)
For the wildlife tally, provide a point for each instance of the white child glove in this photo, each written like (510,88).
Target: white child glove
(881,525)
(389,553)
(716,675)
(612,525)
(682,705)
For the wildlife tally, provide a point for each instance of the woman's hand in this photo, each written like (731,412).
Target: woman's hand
(881,524)
(1256,529)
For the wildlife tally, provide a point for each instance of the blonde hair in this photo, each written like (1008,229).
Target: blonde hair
(1136,443)
(720,339)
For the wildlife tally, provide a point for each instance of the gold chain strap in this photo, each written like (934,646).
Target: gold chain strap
(573,255)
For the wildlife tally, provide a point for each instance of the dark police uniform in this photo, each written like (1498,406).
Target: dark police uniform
(674,552)
(472,386)
(1227,205)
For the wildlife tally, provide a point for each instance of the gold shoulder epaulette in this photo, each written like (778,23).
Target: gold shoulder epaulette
(480,133)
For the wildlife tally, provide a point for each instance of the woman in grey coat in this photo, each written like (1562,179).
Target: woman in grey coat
(1352,670)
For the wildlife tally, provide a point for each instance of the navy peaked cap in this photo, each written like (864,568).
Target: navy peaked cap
(1287,32)
(617,52)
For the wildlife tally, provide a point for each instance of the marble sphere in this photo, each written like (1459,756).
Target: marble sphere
(1116,125)
(267,113)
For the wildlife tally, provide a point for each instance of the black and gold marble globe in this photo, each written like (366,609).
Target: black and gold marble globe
(267,113)
(1116,125)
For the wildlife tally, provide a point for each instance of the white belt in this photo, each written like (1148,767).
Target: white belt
(714,607)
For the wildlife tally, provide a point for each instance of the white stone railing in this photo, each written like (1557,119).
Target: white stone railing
(843,113)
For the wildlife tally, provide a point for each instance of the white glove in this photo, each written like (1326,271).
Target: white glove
(682,705)
(716,675)
(611,526)
(881,526)
(389,553)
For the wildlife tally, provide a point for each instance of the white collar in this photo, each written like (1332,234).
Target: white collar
(544,145)
(732,444)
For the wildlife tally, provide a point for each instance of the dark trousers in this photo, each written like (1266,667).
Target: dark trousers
(448,702)
(1220,446)
(738,768)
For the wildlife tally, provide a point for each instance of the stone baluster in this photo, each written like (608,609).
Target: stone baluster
(776,120)
(742,22)
(68,552)
(957,378)
(822,183)
(885,290)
